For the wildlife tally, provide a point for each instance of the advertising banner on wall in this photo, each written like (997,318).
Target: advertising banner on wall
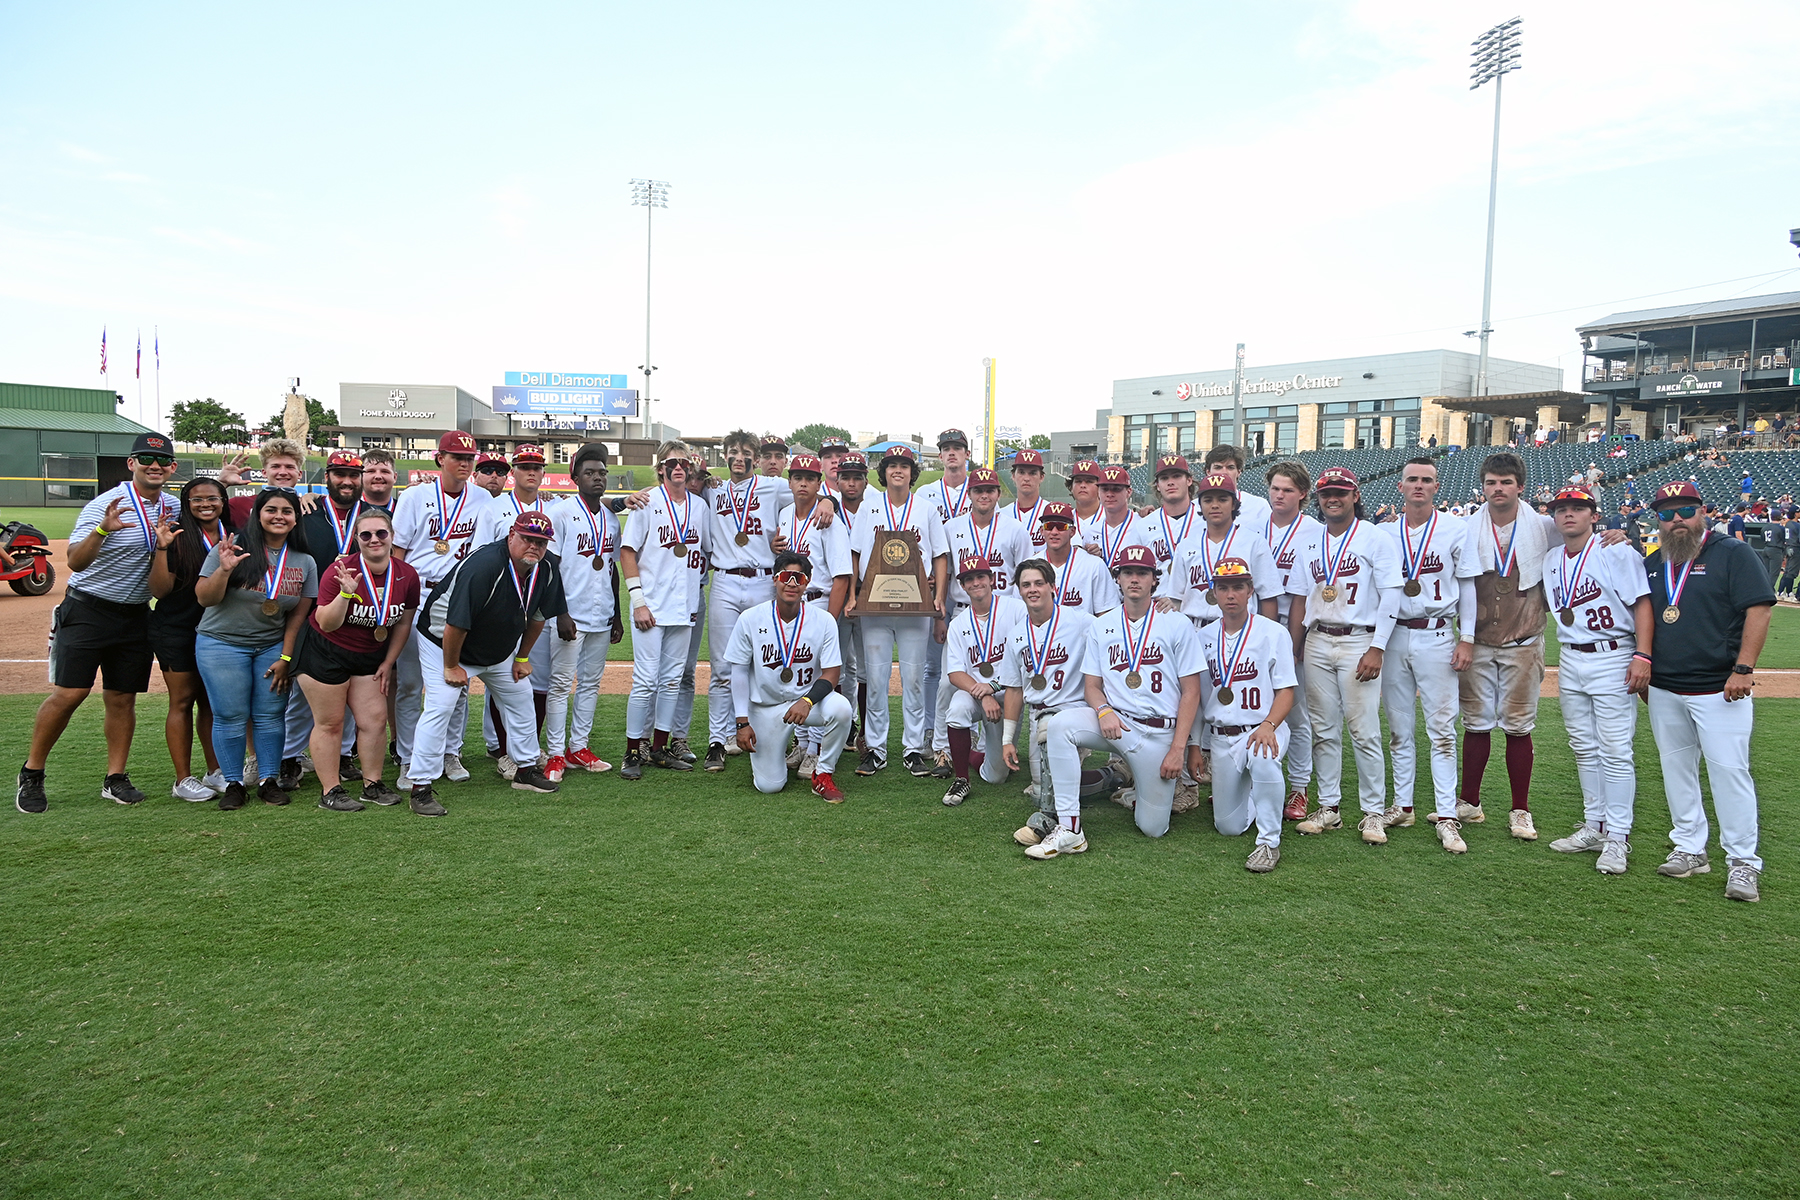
(515,399)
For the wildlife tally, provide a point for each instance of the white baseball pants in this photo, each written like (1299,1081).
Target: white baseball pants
(1076,729)
(657,657)
(683,716)
(768,762)
(964,714)
(1248,788)
(937,692)
(1336,698)
(1686,727)
(1417,663)
(1300,735)
(410,670)
(809,736)
(540,682)
(1601,718)
(578,664)
(880,637)
(434,737)
(727,599)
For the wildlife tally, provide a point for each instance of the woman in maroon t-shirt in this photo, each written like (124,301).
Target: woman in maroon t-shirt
(349,652)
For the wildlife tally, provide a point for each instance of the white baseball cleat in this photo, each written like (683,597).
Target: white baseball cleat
(1397,817)
(1322,819)
(1585,838)
(1059,841)
(1519,824)
(1612,858)
(506,767)
(1470,814)
(454,770)
(1374,829)
(1262,860)
(1125,798)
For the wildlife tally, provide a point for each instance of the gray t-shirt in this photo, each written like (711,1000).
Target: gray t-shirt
(239,619)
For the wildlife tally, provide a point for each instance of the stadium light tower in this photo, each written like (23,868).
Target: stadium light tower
(650,194)
(1496,52)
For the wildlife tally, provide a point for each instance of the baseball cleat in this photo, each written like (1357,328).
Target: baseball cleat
(506,767)
(1187,799)
(191,790)
(1121,770)
(554,769)
(233,797)
(1262,860)
(1322,820)
(795,753)
(715,757)
(31,797)
(1374,829)
(1612,858)
(940,765)
(809,766)
(1519,824)
(1025,835)
(1449,833)
(1031,791)
(1296,806)
(1680,864)
(531,778)
(1397,817)
(1058,842)
(824,786)
(680,749)
(1126,798)
(661,756)
(587,760)
(1205,775)
(732,749)
(869,763)
(454,770)
(634,765)
(959,791)
(118,788)
(1585,838)
(1470,814)
(338,800)
(916,764)
(424,802)
(1742,882)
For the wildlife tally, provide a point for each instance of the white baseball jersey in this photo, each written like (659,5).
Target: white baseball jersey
(496,520)
(1109,540)
(921,518)
(1005,545)
(1287,549)
(1600,589)
(586,538)
(972,640)
(951,501)
(1439,556)
(751,507)
(1084,583)
(419,525)
(758,641)
(671,582)
(1366,560)
(1055,650)
(828,549)
(1264,664)
(1170,650)
(1028,517)
(1166,533)
(1198,557)
(1253,511)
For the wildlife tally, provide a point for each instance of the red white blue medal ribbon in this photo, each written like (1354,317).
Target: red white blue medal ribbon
(1224,552)
(340,533)
(1412,563)
(682,524)
(797,529)
(962,497)
(212,541)
(1108,549)
(1040,658)
(143,515)
(788,646)
(525,593)
(1230,668)
(1503,559)
(1565,588)
(593,525)
(380,599)
(984,647)
(1169,538)
(1333,563)
(740,513)
(1135,654)
(450,519)
(1286,539)
(272,579)
(1674,583)
(897,524)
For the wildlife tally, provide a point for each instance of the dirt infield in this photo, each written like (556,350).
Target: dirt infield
(25,628)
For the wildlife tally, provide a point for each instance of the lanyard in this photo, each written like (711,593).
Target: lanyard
(525,594)
(1333,563)
(1567,589)
(272,579)
(905,513)
(1503,559)
(387,587)
(341,533)
(740,513)
(1412,563)
(1135,654)
(1169,538)
(450,519)
(788,645)
(142,510)
(1224,550)
(1230,671)
(797,530)
(1039,659)
(682,524)
(1677,584)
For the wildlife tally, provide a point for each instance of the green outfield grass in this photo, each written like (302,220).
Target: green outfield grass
(681,987)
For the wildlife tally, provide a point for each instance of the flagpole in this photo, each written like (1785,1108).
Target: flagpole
(138,370)
(156,334)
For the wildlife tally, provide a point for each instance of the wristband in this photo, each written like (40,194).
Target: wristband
(743,722)
(527,658)
(632,584)
(102,532)
(1642,655)
(820,689)
(1009,729)
(1104,709)
(287,658)
(806,700)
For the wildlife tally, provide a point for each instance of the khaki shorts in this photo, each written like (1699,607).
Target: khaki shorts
(1501,688)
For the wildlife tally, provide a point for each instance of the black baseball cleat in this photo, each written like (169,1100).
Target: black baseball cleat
(917,764)
(290,775)
(118,789)
(668,760)
(634,765)
(233,797)
(31,797)
(869,763)
(715,757)
(338,800)
(531,778)
(270,791)
(959,791)
(425,803)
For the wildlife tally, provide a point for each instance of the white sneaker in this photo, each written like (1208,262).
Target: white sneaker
(192,790)
(1519,824)
(1612,858)
(506,766)
(404,784)
(1061,841)
(1585,837)
(732,749)
(454,770)
(214,780)
(1262,860)
(1449,831)
(1374,829)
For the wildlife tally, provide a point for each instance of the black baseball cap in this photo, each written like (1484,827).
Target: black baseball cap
(953,437)
(152,443)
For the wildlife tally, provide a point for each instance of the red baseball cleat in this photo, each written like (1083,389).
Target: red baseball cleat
(587,760)
(823,785)
(1296,807)
(554,768)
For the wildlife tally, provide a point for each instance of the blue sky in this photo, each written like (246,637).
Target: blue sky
(866,199)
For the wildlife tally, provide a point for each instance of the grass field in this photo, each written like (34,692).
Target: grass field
(681,987)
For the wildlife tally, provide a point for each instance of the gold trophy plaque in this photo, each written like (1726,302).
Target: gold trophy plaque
(894,577)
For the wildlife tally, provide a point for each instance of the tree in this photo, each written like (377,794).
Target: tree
(814,435)
(1040,441)
(317,417)
(205,421)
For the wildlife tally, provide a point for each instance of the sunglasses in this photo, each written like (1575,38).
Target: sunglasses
(1685,512)
(371,535)
(155,460)
(790,577)
(491,469)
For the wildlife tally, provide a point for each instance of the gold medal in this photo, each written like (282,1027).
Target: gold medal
(596,562)
(1411,587)
(1566,616)
(1671,615)
(1225,696)
(1504,585)
(986,669)
(1328,593)
(270,608)
(1039,681)
(679,549)
(1211,598)
(379,633)
(742,539)
(787,675)
(1133,679)
(441,546)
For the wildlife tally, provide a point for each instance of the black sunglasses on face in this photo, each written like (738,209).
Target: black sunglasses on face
(491,469)
(155,460)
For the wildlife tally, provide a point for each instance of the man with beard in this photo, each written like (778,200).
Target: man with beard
(1712,600)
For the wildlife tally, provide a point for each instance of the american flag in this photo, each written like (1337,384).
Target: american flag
(103,349)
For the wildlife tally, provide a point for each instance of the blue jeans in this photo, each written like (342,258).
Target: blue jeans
(240,696)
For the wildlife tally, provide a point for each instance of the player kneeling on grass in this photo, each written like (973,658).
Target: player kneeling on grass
(1142,677)
(973,652)
(1250,661)
(1603,620)
(788,659)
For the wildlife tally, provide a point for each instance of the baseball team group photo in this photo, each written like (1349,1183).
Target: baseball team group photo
(1091,642)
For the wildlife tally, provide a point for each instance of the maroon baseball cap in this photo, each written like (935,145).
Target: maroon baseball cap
(1028,458)
(534,525)
(899,454)
(1172,463)
(344,460)
(491,456)
(456,442)
(984,477)
(1114,474)
(1337,479)
(807,464)
(1055,511)
(1231,568)
(1218,483)
(1136,556)
(971,564)
(1084,468)
(1679,492)
(1575,495)
(855,462)
(773,443)
(526,454)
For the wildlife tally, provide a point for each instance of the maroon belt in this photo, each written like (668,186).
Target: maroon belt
(1593,647)
(1343,630)
(1231,730)
(746,572)
(1423,622)
(1152,722)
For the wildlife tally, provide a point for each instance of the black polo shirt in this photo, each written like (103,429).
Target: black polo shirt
(1695,654)
(319,536)
(477,596)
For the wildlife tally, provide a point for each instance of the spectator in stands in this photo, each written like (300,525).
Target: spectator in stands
(1431,442)
(1746,485)
(1594,476)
